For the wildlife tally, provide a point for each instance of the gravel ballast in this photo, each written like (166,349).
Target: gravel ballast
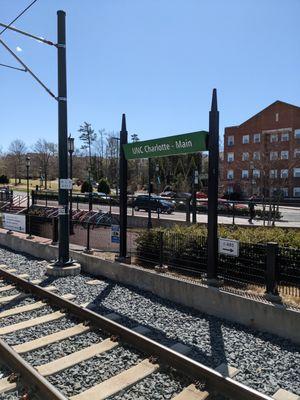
(265,362)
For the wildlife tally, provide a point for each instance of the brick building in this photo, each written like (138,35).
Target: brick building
(262,155)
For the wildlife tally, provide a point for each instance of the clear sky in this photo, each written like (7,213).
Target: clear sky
(155,60)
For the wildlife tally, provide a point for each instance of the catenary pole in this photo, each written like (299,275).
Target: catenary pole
(213,174)
(63,247)
(123,191)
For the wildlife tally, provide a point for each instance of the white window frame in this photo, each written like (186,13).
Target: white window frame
(273,153)
(296,172)
(295,190)
(256,173)
(273,174)
(285,192)
(274,137)
(284,155)
(297,134)
(246,139)
(230,174)
(297,153)
(285,136)
(256,158)
(284,173)
(244,156)
(245,174)
(230,140)
(230,157)
(256,138)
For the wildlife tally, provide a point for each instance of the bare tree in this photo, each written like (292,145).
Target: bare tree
(16,152)
(45,151)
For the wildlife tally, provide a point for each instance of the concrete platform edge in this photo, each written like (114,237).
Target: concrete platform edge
(265,317)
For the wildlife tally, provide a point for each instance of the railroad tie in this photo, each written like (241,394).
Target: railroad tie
(6,386)
(118,382)
(30,307)
(31,322)
(63,363)
(191,393)
(52,338)
(6,288)
(21,296)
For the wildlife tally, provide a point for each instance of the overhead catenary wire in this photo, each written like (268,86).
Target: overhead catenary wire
(27,69)
(40,39)
(10,66)
(18,16)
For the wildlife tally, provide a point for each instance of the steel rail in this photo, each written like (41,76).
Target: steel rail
(28,374)
(165,355)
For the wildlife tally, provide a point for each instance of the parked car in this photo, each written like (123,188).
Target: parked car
(156,204)
(201,195)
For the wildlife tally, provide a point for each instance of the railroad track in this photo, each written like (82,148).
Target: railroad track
(200,381)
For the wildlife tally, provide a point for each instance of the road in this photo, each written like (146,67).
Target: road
(291,215)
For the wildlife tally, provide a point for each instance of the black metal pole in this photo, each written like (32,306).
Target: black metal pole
(63,246)
(27,177)
(213,173)
(123,165)
(194,201)
(149,225)
(71,194)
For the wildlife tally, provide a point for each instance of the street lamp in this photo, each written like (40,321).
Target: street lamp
(27,177)
(71,151)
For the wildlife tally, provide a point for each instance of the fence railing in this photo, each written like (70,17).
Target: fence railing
(265,265)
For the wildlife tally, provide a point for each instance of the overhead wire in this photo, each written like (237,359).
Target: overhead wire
(19,15)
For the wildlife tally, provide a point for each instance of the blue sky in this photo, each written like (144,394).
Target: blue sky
(155,60)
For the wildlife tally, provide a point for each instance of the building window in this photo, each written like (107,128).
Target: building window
(297,133)
(277,117)
(245,139)
(285,137)
(256,155)
(284,173)
(274,137)
(230,140)
(230,157)
(230,189)
(296,191)
(245,156)
(230,174)
(273,173)
(256,173)
(297,153)
(284,155)
(296,172)
(285,192)
(273,155)
(256,138)
(245,174)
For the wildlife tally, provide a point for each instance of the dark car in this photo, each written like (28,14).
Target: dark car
(156,204)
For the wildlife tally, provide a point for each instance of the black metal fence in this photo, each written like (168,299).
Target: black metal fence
(256,265)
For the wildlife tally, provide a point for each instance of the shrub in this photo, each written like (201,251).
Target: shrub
(4,179)
(86,187)
(103,186)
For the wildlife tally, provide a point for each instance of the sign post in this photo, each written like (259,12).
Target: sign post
(229,247)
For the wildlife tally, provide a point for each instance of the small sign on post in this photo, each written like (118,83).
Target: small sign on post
(115,233)
(229,247)
(14,222)
(66,184)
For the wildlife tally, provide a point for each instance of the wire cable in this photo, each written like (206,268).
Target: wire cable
(18,16)
(9,66)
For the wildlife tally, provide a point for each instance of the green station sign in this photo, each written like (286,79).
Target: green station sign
(167,146)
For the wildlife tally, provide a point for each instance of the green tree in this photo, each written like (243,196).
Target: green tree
(103,186)
(86,187)
(87,136)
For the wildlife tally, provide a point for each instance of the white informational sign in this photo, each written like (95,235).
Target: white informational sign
(66,184)
(229,247)
(62,211)
(115,233)
(14,222)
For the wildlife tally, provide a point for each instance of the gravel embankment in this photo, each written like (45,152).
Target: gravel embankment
(265,362)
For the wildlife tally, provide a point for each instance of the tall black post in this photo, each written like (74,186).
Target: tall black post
(71,194)
(213,172)
(63,247)
(27,178)
(123,192)
(149,224)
